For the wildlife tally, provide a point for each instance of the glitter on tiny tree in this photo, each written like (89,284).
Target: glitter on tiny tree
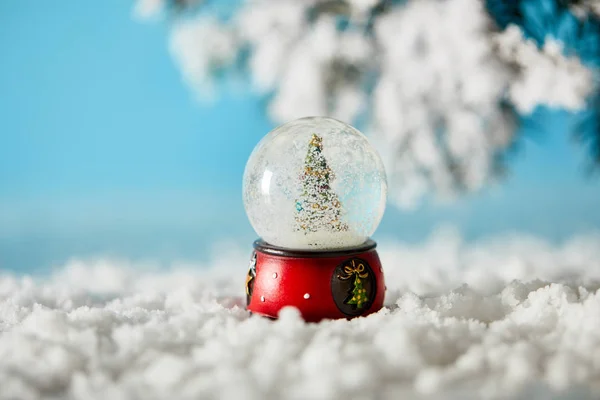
(318,208)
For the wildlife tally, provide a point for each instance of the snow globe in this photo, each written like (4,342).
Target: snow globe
(315,190)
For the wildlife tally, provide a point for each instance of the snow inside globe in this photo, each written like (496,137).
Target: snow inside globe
(314,184)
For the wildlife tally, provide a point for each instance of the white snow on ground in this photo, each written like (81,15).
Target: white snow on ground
(512,317)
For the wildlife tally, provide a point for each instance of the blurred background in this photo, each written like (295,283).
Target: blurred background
(125,126)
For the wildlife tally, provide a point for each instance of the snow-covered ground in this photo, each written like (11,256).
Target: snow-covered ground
(511,317)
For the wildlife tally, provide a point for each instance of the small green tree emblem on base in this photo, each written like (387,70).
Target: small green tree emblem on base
(358,295)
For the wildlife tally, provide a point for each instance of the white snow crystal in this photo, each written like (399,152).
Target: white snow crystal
(146,9)
(583,7)
(436,103)
(201,46)
(512,317)
(543,77)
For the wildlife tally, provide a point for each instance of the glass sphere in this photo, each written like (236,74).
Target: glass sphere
(314,183)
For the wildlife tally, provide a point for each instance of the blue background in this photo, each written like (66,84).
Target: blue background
(103,150)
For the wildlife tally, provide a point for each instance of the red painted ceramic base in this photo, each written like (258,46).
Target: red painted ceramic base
(320,284)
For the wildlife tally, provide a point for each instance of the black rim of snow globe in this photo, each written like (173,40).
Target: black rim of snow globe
(267,248)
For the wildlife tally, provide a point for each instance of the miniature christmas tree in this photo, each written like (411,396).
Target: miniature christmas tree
(359,293)
(318,208)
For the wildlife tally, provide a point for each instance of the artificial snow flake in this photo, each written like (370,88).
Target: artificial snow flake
(145,9)
(436,104)
(543,77)
(583,7)
(202,46)
(515,317)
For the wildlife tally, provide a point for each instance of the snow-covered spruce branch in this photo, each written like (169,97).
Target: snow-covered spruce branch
(543,76)
(583,8)
(436,81)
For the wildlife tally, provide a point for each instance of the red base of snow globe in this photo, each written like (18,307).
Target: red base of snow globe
(321,284)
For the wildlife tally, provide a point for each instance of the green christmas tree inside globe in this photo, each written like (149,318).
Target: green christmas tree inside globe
(315,183)
(318,208)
